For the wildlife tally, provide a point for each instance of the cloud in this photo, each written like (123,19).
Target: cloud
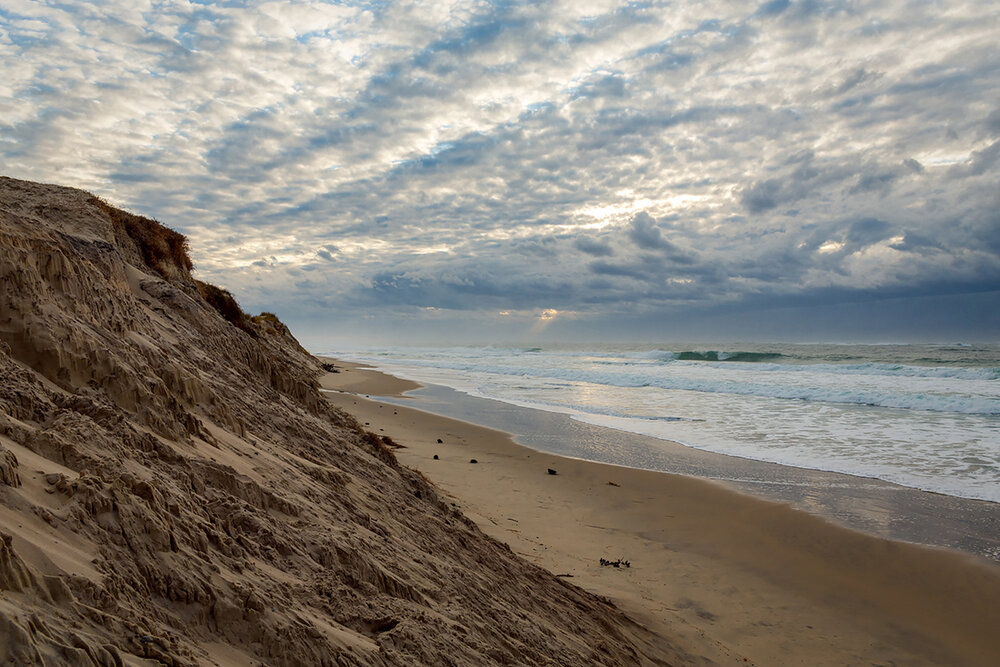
(644,232)
(762,196)
(980,161)
(592,247)
(772,8)
(992,123)
(595,157)
(868,231)
(603,268)
(327,253)
(910,241)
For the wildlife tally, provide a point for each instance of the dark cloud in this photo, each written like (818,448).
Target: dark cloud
(874,181)
(603,268)
(468,288)
(806,177)
(772,8)
(644,232)
(981,161)
(914,242)
(592,247)
(992,123)
(610,85)
(868,231)
(762,196)
(647,235)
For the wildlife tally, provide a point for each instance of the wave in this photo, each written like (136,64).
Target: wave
(768,373)
(956,397)
(802,355)
(776,361)
(712,355)
(764,362)
(900,370)
(904,413)
(887,370)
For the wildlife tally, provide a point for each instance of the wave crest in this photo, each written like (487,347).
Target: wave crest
(713,355)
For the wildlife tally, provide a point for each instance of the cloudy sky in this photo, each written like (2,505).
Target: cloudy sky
(519,170)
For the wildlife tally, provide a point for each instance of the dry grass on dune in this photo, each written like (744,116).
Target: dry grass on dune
(160,246)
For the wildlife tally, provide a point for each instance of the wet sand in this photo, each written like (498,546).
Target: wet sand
(729,575)
(870,505)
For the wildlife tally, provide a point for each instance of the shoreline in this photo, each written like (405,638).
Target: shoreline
(729,575)
(871,505)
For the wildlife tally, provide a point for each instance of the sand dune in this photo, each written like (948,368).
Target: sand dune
(174,489)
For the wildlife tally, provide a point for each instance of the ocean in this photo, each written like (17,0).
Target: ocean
(923,416)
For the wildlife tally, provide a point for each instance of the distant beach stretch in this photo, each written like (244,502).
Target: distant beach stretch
(720,569)
(924,416)
(815,409)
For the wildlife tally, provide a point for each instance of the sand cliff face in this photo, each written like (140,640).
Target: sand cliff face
(174,488)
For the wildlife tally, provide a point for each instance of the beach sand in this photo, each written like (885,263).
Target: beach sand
(728,576)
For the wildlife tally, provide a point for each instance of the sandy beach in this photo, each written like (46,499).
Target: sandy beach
(728,576)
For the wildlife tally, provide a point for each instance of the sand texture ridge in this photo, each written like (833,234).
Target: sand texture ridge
(174,488)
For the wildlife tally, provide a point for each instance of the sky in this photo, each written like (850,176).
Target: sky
(384,171)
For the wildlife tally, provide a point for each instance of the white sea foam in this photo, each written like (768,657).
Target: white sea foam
(927,417)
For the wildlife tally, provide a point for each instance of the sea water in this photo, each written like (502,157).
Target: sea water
(924,416)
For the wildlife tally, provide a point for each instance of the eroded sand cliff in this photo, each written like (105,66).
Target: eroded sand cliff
(174,488)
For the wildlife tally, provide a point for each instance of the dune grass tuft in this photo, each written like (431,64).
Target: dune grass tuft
(225,303)
(160,246)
